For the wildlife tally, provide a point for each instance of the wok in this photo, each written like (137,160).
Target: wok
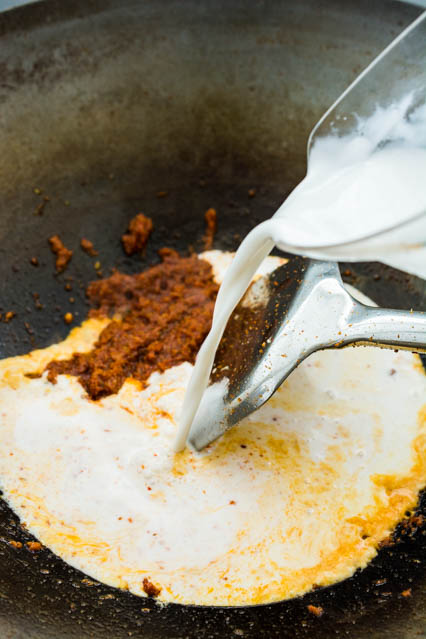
(103,105)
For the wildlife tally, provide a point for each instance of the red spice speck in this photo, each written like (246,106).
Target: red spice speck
(138,232)
(88,247)
(150,589)
(63,255)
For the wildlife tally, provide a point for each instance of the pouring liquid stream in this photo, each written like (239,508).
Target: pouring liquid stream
(363,198)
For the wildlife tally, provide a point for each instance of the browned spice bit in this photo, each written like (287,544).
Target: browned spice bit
(166,314)
(9,315)
(28,328)
(34,546)
(412,524)
(63,255)
(406,593)
(318,611)
(232,502)
(88,247)
(34,261)
(380,582)
(347,273)
(37,302)
(68,318)
(251,192)
(162,193)
(88,582)
(136,238)
(71,300)
(210,217)
(15,544)
(386,542)
(150,589)
(68,287)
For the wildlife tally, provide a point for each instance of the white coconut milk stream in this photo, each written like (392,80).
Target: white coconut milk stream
(363,198)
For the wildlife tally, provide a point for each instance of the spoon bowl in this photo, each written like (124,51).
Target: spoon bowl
(299,308)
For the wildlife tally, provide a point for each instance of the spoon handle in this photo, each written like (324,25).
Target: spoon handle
(387,328)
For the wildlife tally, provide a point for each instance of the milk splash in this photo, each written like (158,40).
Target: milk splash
(363,198)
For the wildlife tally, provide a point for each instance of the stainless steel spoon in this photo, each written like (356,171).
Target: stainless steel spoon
(300,308)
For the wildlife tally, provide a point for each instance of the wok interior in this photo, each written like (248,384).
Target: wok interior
(103,105)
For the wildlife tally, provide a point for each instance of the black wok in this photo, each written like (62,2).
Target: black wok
(102,105)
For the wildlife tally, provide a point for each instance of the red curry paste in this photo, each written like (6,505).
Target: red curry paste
(165,314)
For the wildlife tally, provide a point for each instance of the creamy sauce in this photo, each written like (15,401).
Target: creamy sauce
(97,481)
(357,192)
(301,493)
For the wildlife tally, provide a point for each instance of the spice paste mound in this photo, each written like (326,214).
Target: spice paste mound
(300,494)
(165,314)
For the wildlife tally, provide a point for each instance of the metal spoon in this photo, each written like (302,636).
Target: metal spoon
(300,308)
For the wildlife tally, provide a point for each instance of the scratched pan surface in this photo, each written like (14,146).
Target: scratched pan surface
(103,105)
